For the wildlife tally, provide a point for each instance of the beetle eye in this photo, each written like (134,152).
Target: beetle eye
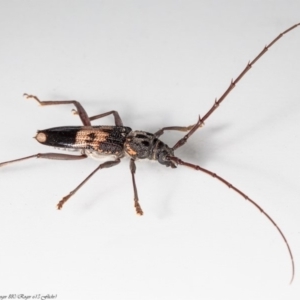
(163,158)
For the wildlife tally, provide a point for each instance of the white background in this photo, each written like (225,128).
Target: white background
(159,63)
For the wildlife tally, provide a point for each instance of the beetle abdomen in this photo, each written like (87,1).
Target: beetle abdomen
(104,139)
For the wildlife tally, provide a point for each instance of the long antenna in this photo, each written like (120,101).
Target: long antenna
(247,68)
(228,184)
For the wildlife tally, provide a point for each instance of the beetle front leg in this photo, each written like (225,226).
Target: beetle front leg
(177,128)
(136,198)
(183,140)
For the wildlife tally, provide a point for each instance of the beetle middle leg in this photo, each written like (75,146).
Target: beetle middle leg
(80,110)
(106,164)
(118,120)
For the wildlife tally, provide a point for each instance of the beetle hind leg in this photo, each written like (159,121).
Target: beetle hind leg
(137,206)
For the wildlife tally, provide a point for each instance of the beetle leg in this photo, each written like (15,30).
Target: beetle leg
(177,128)
(80,110)
(183,140)
(191,129)
(136,198)
(118,120)
(56,156)
(106,164)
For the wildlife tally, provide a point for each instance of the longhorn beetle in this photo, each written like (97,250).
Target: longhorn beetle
(118,141)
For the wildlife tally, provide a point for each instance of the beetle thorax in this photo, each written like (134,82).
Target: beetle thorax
(141,144)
